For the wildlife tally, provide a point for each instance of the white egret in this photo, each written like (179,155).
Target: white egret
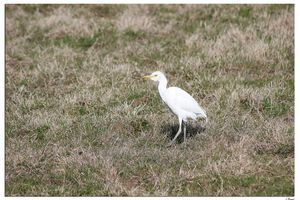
(179,101)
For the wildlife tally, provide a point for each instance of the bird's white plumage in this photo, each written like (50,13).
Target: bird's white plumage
(179,101)
(183,104)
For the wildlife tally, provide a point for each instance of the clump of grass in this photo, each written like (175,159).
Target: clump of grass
(41,131)
(274,109)
(80,120)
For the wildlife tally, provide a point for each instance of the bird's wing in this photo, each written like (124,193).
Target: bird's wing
(180,98)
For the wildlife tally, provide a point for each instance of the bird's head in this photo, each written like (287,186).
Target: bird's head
(156,76)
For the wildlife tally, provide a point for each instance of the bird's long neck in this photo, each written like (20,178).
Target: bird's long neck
(162,88)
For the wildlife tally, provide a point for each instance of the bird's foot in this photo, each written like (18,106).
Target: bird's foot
(170,144)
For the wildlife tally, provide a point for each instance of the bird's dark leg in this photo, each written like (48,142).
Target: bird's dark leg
(184,131)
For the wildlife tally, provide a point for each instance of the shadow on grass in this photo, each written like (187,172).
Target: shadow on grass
(191,131)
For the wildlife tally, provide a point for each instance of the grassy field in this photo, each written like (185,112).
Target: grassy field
(80,120)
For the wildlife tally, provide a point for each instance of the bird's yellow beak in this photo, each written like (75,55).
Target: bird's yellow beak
(148,76)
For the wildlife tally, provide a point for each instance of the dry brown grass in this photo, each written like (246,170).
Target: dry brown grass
(80,120)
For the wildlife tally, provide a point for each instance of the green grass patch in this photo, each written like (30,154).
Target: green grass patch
(274,109)
(41,131)
(103,39)
(132,35)
(24,185)
(245,11)
(256,83)
(140,125)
